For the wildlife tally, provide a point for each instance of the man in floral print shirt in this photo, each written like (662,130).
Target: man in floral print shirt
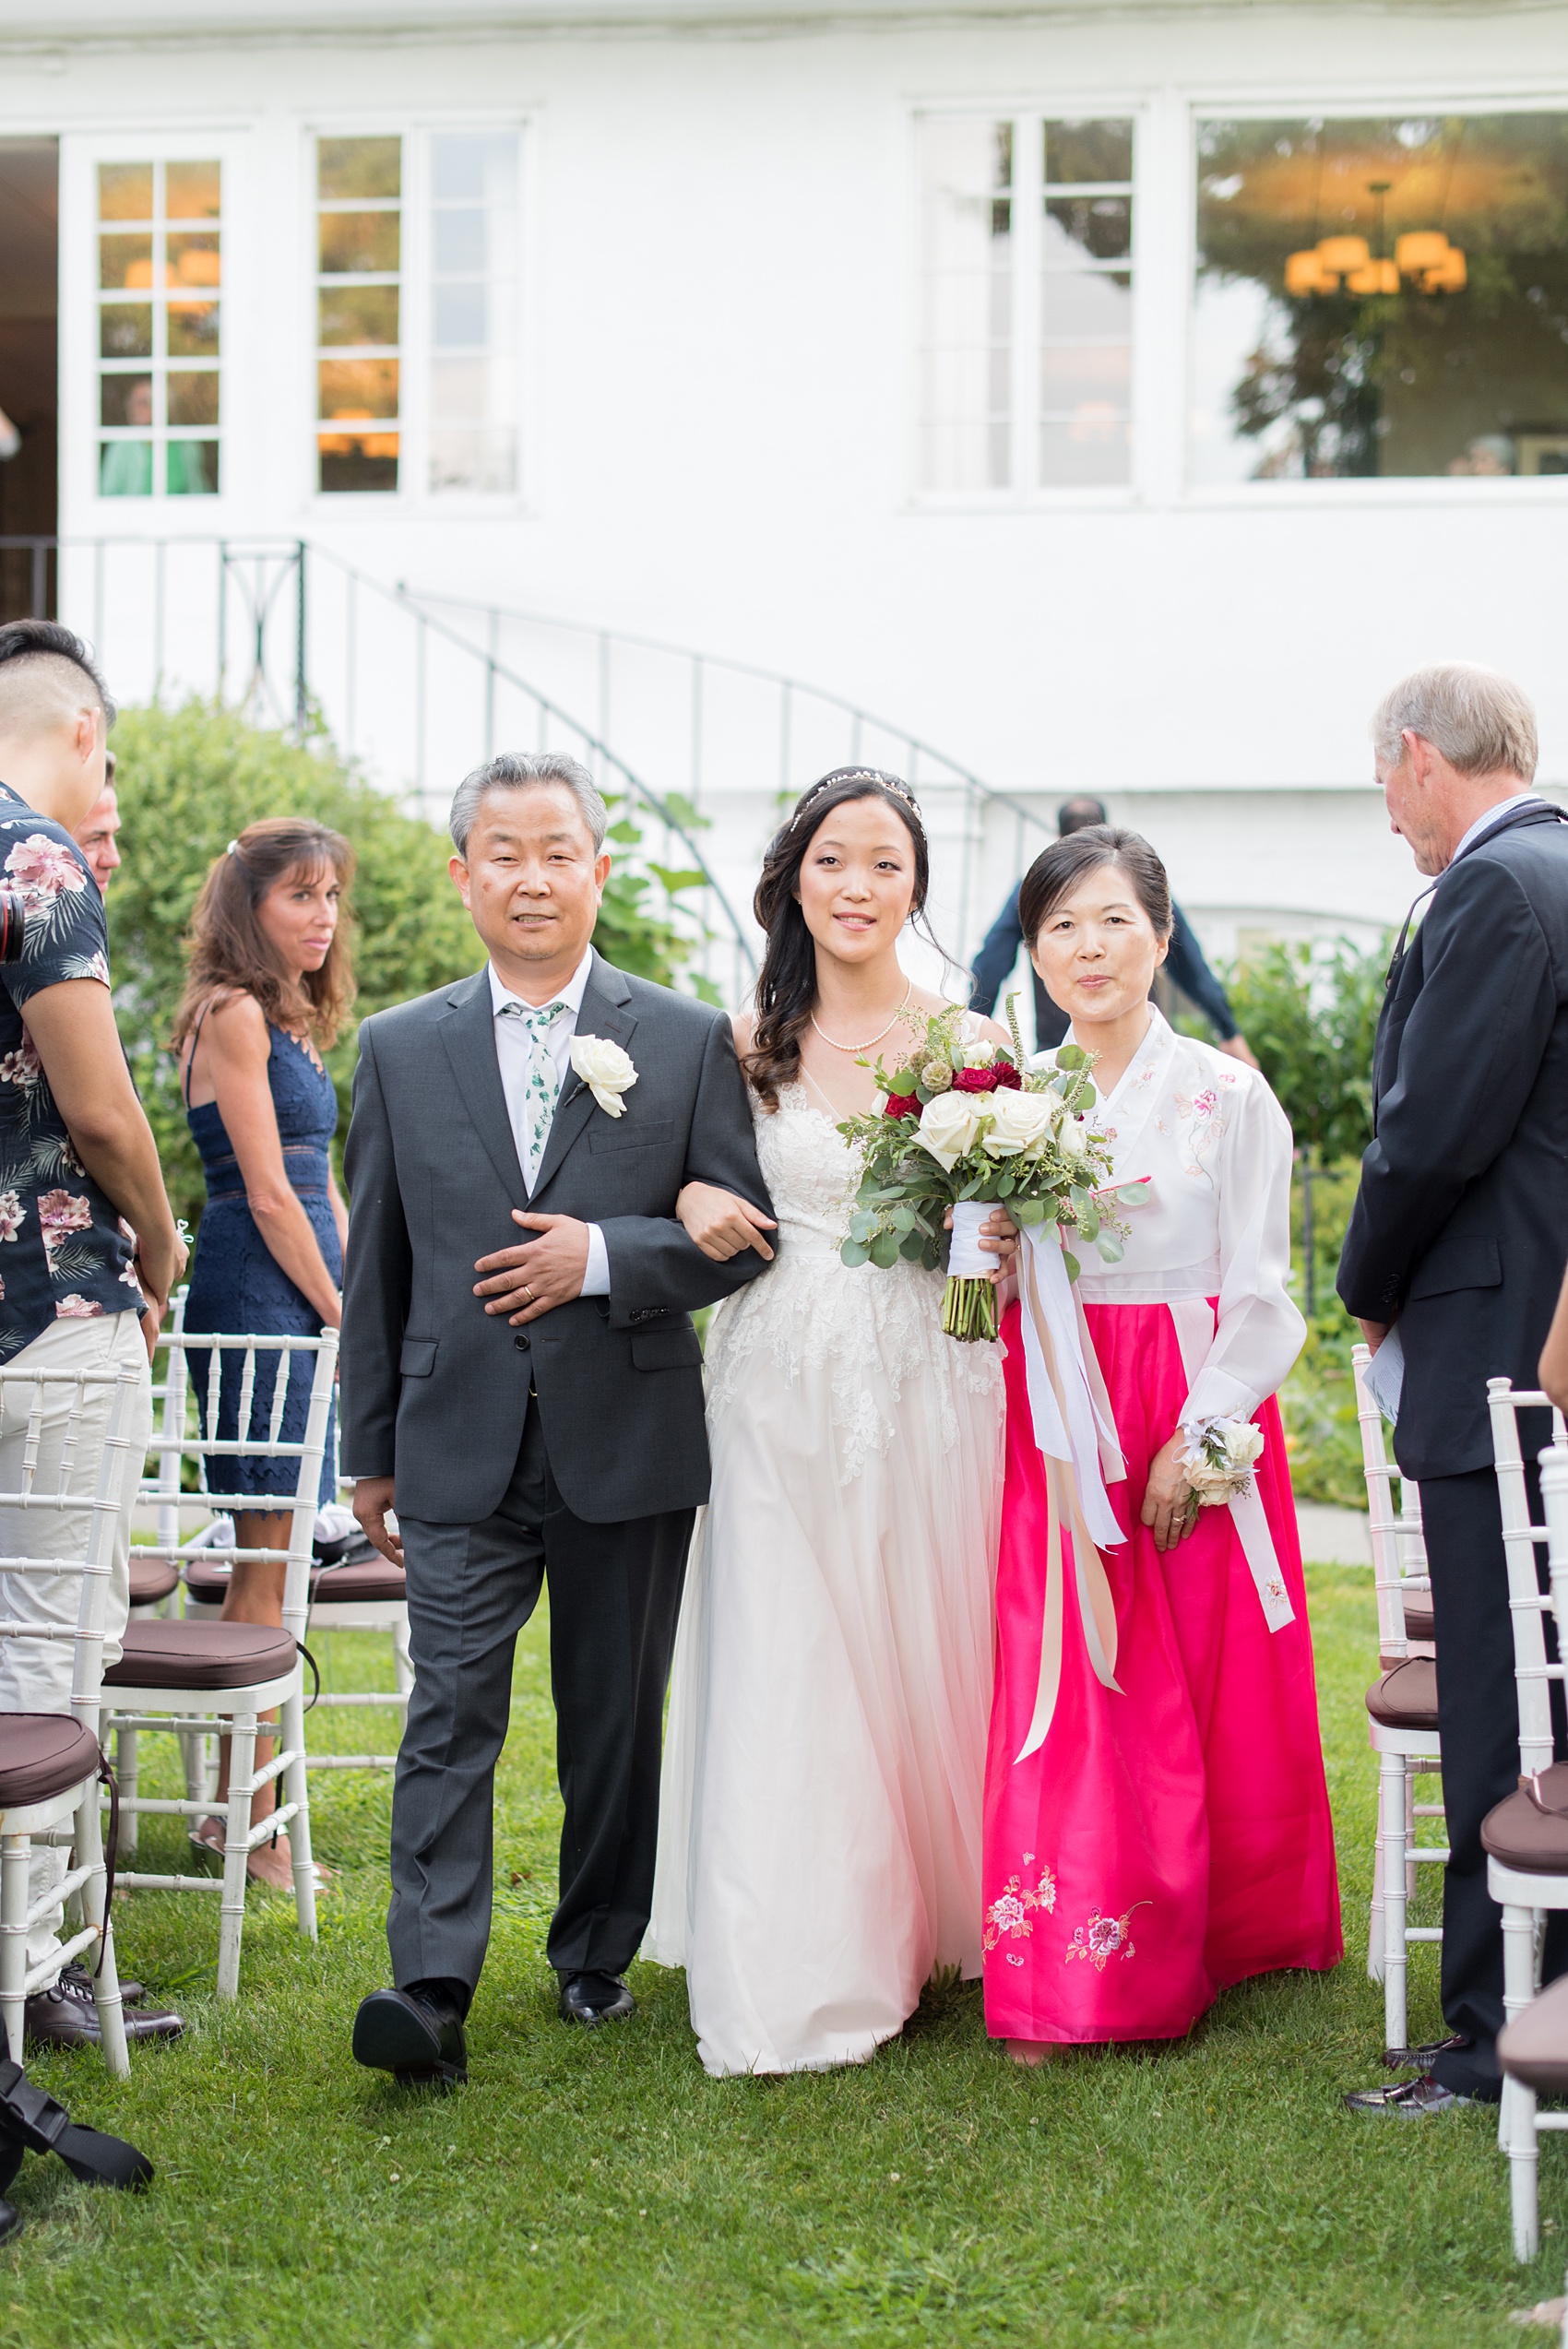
(88,1247)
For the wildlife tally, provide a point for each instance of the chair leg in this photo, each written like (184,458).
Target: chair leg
(106,1978)
(1395,1955)
(1376,1928)
(403,1665)
(236,1836)
(1410,1836)
(126,1770)
(296,1780)
(1516,2119)
(15,1853)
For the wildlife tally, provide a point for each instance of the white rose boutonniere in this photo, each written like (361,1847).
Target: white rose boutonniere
(606,1069)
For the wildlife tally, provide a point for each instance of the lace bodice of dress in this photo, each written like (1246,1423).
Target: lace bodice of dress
(881,1330)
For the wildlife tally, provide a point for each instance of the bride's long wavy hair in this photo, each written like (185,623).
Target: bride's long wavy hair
(785,986)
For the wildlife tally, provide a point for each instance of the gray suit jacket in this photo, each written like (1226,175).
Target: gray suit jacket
(434,1390)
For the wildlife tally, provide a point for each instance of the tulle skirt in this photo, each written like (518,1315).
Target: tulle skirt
(819,1812)
(1176,1838)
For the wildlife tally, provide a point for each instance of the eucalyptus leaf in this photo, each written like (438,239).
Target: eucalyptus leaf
(912,1247)
(853,1253)
(885,1250)
(1072,1056)
(1072,1263)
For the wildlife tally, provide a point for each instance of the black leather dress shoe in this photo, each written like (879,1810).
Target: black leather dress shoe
(592,1998)
(417,2041)
(65,2017)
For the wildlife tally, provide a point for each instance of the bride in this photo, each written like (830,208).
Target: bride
(820,1821)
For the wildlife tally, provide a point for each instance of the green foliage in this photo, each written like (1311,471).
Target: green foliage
(1318,1400)
(1309,1014)
(189,779)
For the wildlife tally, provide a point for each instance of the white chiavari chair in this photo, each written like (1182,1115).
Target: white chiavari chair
(50,1762)
(1525,1837)
(198,1680)
(1401,1716)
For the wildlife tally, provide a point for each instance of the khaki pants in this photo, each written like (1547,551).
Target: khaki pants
(35,1675)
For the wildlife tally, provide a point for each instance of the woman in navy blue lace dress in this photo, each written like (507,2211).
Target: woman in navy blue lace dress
(268,988)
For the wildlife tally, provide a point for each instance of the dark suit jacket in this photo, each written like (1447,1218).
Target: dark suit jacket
(1460,1228)
(434,1390)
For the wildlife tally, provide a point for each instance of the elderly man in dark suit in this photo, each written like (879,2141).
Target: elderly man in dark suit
(1458,1241)
(534,1411)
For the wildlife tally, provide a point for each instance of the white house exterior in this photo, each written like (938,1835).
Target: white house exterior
(889,347)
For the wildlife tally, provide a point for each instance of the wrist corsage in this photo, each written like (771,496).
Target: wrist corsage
(1219,1461)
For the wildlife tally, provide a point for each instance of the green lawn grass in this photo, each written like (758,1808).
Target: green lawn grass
(598,2190)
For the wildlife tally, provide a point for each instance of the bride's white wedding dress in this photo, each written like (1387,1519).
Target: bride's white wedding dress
(820,1824)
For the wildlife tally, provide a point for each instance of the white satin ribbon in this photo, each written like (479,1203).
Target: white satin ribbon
(1194,1317)
(1075,1431)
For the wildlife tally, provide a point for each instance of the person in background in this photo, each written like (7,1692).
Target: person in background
(268,989)
(94,836)
(89,1241)
(1184,964)
(1454,1253)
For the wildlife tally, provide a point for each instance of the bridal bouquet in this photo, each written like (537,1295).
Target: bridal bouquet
(966,1126)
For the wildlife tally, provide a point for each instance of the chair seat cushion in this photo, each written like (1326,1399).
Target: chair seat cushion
(151,1578)
(200,1655)
(1529,1829)
(1418,1624)
(1407,1697)
(1534,2046)
(43,1754)
(373,1579)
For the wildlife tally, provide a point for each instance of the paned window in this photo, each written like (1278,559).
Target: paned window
(473,276)
(966,361)
(1026,303)
(1085,303)
(160,362)
(1381,297)
(359,311)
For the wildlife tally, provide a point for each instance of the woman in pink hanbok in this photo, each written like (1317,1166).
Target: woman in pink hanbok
(1157,1823)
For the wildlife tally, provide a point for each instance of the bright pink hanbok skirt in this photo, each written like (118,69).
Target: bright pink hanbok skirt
(1174,1838)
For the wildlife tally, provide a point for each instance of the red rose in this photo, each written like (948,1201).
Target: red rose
(903,1105)
(1007,1077)
(977,1080)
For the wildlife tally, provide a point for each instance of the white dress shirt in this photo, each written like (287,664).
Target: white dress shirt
(514,1054)
(1495,815)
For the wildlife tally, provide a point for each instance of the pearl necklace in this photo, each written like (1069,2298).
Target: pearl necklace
(869,1039)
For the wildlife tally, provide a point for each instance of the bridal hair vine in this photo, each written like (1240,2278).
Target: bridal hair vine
(860,775)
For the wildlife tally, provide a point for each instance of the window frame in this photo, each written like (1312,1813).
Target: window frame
(227,143)
(1028,114)
(416,352)
(1395,490)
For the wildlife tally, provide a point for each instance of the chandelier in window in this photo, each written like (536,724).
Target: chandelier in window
(1422,257)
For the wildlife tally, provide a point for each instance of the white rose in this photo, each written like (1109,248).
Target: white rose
(952,1124)
(606,1070)
(1212,1485)
(980,1055)
(1072,1138)
(1242,1441)
(1020,1121)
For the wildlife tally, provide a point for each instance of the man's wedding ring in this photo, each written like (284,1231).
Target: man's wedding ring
(528,1292)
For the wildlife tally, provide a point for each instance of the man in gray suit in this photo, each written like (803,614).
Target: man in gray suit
(534,1411)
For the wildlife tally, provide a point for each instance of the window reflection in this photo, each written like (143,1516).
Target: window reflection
(1384,298)
(472,380)
(965,360)
(358,374)
(1086,304)
(140,396)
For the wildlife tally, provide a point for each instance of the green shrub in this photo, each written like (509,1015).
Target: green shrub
(189,779)
(1309,1014)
